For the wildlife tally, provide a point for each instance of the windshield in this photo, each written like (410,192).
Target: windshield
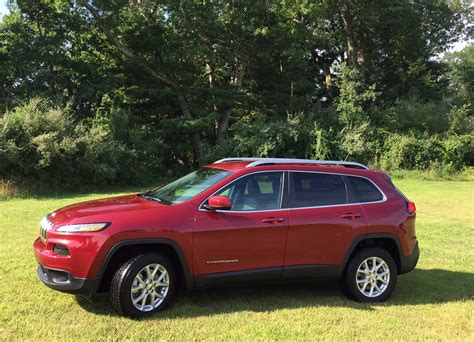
(187,187)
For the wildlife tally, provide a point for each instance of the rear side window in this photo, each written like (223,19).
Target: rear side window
(364,190)
(316,189)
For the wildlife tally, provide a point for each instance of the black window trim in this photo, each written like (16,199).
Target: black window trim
(283,195)
(348,188)
(354,195)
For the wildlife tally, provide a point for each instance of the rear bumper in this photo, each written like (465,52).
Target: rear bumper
(408,263)
(63,281)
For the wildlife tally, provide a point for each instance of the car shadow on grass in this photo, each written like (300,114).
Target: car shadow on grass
(417,287)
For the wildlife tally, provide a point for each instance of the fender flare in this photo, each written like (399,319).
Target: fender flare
(371,236)
(188,278)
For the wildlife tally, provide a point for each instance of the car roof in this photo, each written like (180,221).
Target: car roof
(230,165)
(241,167)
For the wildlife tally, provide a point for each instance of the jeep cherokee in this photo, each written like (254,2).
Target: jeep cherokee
(238,220)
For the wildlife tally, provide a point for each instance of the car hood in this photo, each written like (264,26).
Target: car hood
(103,206)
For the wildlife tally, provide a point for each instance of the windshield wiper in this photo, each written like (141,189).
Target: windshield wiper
(154,199)
(151,198)
(144,194)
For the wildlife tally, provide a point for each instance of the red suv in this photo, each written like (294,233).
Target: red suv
(236,221)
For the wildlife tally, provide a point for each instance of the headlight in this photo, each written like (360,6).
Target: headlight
(83,227)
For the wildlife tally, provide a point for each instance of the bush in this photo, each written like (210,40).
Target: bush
(425,152)
(42,146)
(356,143)
(459,120)
(414,113)
(457,149)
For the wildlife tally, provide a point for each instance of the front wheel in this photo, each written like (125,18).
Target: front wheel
(143,285)
(371,275)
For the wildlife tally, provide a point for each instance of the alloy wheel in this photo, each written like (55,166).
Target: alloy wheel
(150,287)
(373,277)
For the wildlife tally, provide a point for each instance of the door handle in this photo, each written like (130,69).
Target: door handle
(351,216)
(273,220)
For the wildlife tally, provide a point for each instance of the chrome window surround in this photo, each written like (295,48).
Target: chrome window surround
(201,208)
(384,197)
(282,188)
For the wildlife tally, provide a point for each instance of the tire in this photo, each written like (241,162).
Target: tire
(362,283)
(151,293)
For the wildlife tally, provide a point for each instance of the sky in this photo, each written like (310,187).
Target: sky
(3,7)
(457,47)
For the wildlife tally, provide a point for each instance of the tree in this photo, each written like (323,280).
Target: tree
(461,74)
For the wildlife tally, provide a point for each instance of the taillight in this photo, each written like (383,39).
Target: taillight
(411,208)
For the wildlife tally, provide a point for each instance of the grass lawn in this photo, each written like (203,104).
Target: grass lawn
(436,301)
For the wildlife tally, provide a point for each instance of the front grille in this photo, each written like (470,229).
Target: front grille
(45,225)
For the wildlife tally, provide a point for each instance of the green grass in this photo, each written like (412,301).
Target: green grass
(433,302)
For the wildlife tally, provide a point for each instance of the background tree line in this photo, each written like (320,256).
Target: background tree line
(123,91)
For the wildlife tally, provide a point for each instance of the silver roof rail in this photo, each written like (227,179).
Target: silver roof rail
(263,161)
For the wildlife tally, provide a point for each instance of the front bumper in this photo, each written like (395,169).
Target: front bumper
(408,263)
(63,273)
(63,281)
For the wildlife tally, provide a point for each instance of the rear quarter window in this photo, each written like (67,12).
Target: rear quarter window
(364,190)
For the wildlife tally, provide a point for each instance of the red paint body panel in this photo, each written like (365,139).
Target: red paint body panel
(316,236)
(132,218)
(232,241)
(391,216)
(320,236)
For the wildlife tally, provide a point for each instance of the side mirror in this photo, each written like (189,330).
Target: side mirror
(218,203)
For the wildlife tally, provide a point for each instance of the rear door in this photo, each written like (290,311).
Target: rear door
(322,222)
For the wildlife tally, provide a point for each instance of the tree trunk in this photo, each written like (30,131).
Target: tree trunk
(325,63)
(223,123)
(195,139)
(352,48)
(328,78)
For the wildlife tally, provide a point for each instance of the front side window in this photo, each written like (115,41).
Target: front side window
(364,190)
(259,191)
(187,187)
(316,189)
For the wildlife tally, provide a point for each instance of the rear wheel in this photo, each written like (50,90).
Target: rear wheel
(371,276)
(143,285)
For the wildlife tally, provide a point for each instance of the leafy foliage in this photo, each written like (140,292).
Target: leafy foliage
(42,144)
(145,89)
(425,152)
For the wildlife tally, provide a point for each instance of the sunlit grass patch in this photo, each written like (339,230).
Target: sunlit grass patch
(435,301)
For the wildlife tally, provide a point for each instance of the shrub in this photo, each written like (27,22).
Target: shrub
(355,143)
(457,149)
(414,114)
(425,152)
(459,120)
(321,143)
(40,145)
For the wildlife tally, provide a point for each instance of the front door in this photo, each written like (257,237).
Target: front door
(250,237)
